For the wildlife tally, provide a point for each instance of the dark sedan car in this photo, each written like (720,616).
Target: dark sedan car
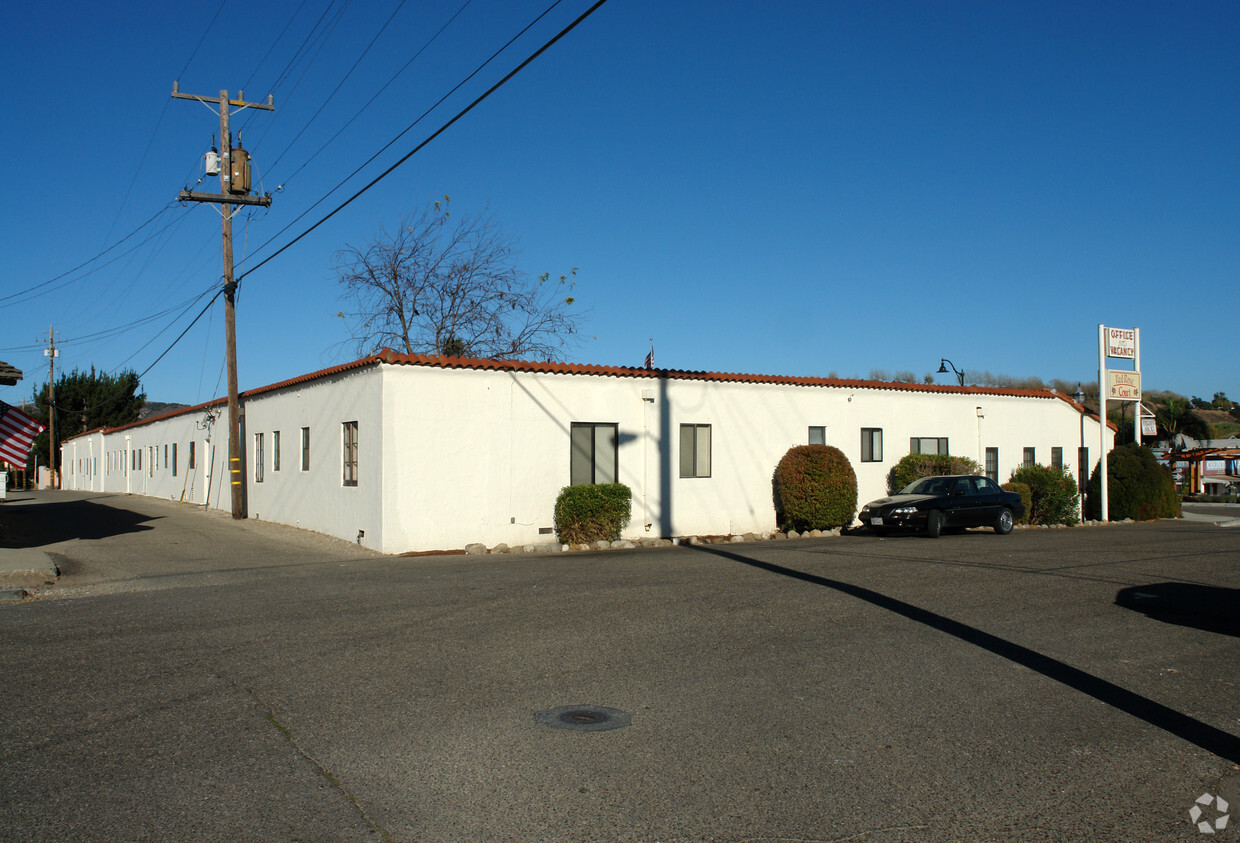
(935,504)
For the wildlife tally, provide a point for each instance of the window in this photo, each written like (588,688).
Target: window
(191,454)
(152,459)
(275,450)
(593,455)
(1031,456)
(305,449)
(259,459)
(349,451)
(927,445)
(817,435)
(174,459)
(986,487)
(165,457)
(695,450)
(1082,467)
(871,444)
(1057,459)
(992,464)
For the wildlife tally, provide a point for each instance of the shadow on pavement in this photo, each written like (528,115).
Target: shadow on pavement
(41,524)
(1205,607)
(1214,740)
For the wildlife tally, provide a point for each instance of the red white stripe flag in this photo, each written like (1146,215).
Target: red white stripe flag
(17,431)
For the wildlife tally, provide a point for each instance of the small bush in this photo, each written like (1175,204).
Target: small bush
(1026,497)
(914,466)
(585,514)
(1052,494)
(1137,487)
(815,489)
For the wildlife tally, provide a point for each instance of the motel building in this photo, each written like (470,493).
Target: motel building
(406,452)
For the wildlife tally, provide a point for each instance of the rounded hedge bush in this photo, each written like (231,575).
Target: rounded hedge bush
(1026,497)
(1137,487)
(915,466)
(585,514)
(815,489)
(1053,495)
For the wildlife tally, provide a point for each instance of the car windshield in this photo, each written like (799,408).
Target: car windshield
(929,486)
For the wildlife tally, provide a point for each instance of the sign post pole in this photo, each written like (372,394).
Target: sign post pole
(1103,388)
(1136,358)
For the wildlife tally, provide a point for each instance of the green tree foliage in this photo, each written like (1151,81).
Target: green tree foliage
(914,466)
(1052,494)
(1176,418)
(815,489)
(1137,487)
(86,401)
(598,512)
(1026,498)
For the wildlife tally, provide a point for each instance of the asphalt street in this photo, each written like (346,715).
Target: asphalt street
(193,678)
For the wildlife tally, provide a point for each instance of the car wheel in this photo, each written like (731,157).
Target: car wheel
(1004,525)
(934,524)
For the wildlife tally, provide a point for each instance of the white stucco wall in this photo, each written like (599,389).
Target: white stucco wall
(317,499)
(483,453)
(449,456)
(109,462)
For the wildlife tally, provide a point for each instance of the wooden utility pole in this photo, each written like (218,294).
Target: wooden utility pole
(51,353)
(234,190)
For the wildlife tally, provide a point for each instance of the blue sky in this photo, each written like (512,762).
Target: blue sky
(792,188)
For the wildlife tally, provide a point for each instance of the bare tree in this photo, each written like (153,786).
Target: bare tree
(435,287)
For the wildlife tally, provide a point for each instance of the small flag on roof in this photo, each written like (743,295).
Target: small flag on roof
(17,432)
(648,363)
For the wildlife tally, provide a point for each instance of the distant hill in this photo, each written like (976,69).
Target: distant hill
(157,408)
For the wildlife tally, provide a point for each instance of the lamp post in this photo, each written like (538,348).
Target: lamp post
(1079,395)
(944,363)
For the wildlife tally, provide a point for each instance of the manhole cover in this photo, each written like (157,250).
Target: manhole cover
(583,718)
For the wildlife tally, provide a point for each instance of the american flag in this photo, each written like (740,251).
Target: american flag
(648,363)
(17,431)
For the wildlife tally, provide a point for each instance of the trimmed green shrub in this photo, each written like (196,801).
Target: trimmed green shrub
(1137,487)
(1052,494)
(598,512)
(914,466)
(815,489)
(1026,497)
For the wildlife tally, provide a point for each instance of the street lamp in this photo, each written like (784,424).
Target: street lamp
(944,363)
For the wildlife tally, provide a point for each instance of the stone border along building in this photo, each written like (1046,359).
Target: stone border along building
(409,452)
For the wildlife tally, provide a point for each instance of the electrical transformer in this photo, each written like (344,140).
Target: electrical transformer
(239,181)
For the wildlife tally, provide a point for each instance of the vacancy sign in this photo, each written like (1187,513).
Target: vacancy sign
(1122,342)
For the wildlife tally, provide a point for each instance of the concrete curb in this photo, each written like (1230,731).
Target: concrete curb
(26,563)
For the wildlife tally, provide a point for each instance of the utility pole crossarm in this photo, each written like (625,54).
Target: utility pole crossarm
(269,105)
(224,198)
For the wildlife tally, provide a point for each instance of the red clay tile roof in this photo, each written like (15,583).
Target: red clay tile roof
(391,357)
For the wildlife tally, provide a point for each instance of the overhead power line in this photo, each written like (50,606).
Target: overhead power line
(43,284)
(577,21)
(285,181)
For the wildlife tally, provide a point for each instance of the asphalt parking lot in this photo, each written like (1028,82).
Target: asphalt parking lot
(194,679)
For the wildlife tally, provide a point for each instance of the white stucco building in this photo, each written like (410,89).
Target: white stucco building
(409,452)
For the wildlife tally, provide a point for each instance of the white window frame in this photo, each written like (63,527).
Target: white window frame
(589,443)
(695,450)
(871,437)
(348,453)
